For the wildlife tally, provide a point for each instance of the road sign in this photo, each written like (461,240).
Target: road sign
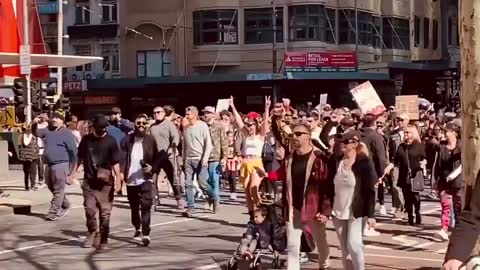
(25,63)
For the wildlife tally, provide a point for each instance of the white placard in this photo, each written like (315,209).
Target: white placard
(222,105)
(367,99)
(323,99)
(25,63)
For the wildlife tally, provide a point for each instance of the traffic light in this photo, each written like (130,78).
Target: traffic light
(65,104)
(20,90)
(39,100)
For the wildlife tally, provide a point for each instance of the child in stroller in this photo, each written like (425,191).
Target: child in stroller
(265,235)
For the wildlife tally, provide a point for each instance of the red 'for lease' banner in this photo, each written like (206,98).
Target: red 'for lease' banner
(320,61)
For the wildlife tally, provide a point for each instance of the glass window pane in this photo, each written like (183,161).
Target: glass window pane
(154,64)
(140,57)
(140,70)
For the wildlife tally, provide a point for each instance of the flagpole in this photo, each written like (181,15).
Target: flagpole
(60,47)
(26,42)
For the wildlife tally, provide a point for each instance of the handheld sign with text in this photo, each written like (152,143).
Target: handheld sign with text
(367,99)
(222,105)
(408,105)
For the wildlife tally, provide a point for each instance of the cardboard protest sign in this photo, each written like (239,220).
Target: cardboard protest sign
(222,105)
(408,105)
(323,99)
(367,99)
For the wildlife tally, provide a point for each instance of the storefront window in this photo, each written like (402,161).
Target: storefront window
(215,27)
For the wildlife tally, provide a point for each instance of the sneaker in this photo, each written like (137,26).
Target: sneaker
(137,236)
(103,245)
(63,212)
(146,241)
(90,240)
(51,217)
(180,205)
(441,235)
(383,210)
(216,207)
(233,196)
(303,258)
(188,213)
(370,232)
(393,210)
(4,195)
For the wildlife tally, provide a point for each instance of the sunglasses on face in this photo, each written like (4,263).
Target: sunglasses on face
(250,124)
(348,141)
(400,120)
(141,123)
(299,133)
(158,112)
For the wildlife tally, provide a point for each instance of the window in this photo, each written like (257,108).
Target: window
(109,11)
(416,28)
(435,34)
(347,27)
(396,33)
(82,12)
(83,50)
(426,33)
(111,62)
(377,32)
(154,63)
(215,27)
(259,26)
(313,22)
(453,37)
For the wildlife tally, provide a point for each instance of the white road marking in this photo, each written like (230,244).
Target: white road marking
(419,246)
(431,211)
(377,248)
(209,266)
(441,251)
(80,238)
(404,241)
(403,257)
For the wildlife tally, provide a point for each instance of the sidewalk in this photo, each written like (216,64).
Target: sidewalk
(38,201)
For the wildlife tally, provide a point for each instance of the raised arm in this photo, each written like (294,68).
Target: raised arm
(266,115)
(238,118)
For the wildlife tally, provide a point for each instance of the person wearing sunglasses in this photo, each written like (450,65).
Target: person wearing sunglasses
(141,168)
(252,170)
(167,137)
(354,200)
(307,196)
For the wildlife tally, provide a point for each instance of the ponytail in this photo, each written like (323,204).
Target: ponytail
(363,149)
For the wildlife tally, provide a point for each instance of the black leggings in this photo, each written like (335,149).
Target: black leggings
(412,200)
(30,173)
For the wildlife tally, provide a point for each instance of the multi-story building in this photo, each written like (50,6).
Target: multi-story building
(179,44)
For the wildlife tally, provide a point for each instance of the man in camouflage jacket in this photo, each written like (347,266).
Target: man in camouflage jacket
(219,152)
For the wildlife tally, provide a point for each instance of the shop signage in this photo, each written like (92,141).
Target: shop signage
(73,86)
(320,62)
(101,100)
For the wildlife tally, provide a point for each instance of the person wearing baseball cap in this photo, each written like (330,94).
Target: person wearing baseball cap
(219,154)
(99,181)
(61,156)
(354,199)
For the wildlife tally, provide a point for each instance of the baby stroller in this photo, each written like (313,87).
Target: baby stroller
(278,243)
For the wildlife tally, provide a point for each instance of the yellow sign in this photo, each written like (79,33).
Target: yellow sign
(7,116)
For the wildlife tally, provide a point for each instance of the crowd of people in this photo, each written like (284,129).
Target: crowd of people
(334,164)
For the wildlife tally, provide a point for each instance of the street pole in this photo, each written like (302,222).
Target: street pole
(274,50)
(60,47)
(356,29)
(26,42)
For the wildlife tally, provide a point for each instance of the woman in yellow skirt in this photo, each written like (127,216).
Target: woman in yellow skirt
(252,172)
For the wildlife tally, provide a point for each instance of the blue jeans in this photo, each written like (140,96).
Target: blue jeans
(193,167)
(214,170)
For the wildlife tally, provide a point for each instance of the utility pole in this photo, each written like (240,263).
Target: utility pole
(356,28)
(60,47)
(274,50)
(26,44)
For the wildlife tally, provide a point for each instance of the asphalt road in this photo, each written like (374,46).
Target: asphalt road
(201,243)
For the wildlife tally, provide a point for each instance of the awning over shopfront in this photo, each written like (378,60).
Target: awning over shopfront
(49,60)
(338,76)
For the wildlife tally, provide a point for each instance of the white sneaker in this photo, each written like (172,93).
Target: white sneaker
(383,210)
(146,241)
(137,236)
(233,196)
(442,235)
(370,232)
(393,210)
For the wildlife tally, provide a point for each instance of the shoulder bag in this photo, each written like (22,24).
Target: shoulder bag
(416,179)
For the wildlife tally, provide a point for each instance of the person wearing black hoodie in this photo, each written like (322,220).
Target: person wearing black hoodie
(378,152)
